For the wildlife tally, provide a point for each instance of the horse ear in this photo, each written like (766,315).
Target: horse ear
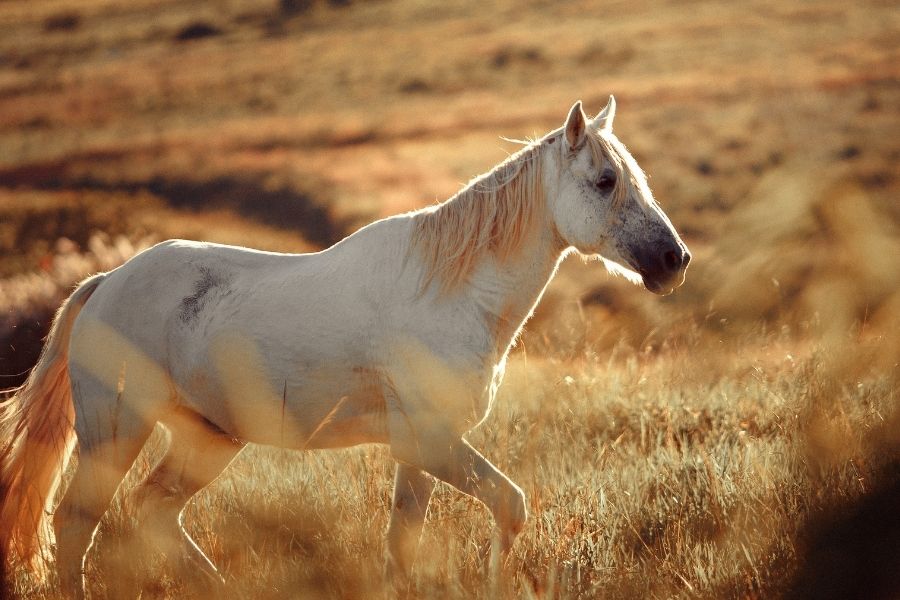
(575,126)
(604,119)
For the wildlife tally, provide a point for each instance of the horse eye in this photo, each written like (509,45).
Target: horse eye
(606,183)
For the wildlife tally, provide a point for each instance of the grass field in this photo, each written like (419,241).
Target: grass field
(739,439)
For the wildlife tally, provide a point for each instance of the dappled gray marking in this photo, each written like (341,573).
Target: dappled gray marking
(192,305)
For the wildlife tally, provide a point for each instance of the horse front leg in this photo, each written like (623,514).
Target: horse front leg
(412,491)
(452,460)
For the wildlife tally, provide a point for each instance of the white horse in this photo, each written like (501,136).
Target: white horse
(398,335)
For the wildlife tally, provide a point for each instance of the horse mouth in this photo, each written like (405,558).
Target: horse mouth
(657,281)
(662,287)
(658,288)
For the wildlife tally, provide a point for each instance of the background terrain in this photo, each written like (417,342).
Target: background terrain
(737,439)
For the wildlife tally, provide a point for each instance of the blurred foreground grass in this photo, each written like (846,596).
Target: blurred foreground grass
(676,473)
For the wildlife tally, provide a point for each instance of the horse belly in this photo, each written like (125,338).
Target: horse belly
(303,410)
(338,408)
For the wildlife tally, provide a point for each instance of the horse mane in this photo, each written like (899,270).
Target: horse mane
(495,210)
(492,213)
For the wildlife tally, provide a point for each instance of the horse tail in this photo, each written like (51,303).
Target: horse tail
(37,436)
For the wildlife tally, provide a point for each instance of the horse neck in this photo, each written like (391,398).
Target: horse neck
(509,290)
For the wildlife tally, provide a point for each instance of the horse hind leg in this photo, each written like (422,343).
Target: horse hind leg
(110,435)
(198,452)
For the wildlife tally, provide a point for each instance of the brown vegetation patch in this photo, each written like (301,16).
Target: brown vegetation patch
(197,31)
(278,206)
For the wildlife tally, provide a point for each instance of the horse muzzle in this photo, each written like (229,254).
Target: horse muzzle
(663,271)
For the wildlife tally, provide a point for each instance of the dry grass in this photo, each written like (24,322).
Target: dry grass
(735,440)
(675,474)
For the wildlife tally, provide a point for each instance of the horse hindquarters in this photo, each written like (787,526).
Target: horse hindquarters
(119,392)
(109,440)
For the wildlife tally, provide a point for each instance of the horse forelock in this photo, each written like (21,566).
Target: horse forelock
(605,147)
(491,214)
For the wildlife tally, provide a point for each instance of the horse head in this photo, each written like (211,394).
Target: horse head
(601,204)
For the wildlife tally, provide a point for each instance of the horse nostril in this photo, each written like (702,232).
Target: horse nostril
(672,260)
(686,258)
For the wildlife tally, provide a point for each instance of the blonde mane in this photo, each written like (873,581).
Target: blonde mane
(493,213)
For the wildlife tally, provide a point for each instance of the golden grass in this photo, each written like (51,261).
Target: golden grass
(673,474)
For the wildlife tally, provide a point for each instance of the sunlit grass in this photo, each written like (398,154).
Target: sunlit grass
(649,475)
